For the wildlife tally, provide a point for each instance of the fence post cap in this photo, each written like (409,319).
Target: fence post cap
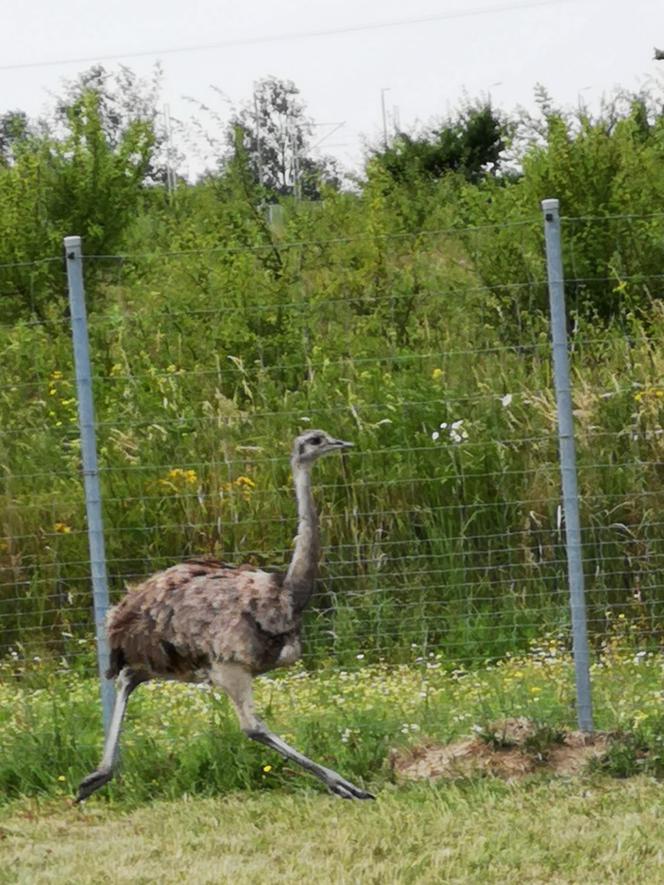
(72,242)
(551,205)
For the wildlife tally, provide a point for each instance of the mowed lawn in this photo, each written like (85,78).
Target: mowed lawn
(594,829)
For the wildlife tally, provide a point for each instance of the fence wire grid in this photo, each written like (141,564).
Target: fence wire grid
(443,531)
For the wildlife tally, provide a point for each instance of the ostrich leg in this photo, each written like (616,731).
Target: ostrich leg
(127,681)
(236,682)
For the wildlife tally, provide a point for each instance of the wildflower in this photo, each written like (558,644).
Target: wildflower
(506,400)
(458,433)
(437,374)
(649,393)
(62,778)
(360,657)
(267,769)
(435,435)
(179,477)
(245,481)
(62,528)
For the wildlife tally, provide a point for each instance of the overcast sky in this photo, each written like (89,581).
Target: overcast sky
(428,54)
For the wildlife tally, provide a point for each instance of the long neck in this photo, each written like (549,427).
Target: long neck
(303,568)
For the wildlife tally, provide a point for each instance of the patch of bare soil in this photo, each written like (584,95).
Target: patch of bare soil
(510,749)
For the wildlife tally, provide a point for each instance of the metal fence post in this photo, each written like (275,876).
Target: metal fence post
(86,418)
(568,462)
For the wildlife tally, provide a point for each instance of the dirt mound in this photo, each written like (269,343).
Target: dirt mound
(509,749)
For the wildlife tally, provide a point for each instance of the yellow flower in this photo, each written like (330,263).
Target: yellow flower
(62,778)
(437,374)
(62,528)
(245,481)
(177,476)
(267,769)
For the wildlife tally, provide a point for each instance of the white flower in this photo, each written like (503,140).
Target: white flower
(506,400)
(457,424)
(360,657)
(435,435)
(443,426)
(458,437)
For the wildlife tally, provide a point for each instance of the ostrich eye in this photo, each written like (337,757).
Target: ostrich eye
(315,440)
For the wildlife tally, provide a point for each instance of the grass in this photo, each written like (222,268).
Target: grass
(196,802)
(592,830)
(443,525)
(184,740)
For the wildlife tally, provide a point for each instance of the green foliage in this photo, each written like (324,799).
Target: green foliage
(409,317)
(606,172)
(273,135)
(470,144)
(86,179)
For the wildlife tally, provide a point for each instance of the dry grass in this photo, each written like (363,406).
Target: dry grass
(483,831)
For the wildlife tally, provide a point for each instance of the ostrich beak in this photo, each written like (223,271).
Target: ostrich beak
(343,445)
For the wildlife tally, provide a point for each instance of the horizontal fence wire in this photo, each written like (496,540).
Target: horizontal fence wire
(443,529)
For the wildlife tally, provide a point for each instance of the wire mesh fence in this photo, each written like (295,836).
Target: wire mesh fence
(443,531)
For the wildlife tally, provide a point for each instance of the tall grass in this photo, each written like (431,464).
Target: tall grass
(441,534)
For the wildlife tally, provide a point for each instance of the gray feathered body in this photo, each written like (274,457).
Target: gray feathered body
(180,622)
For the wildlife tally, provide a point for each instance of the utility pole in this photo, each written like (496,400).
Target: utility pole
(259,154)
(170,174)
(297,184)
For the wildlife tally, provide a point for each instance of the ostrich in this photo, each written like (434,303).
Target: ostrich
(206,621)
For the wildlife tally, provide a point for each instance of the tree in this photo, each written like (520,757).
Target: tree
(85,174)
(124,103)
(275,134)
(15,130)
(470,144)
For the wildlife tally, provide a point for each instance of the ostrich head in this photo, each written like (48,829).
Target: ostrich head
(312,444)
